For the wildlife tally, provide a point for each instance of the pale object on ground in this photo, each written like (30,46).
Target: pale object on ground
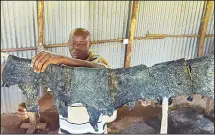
(78,114)
(164,121)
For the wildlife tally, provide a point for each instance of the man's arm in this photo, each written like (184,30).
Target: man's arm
(80,63)
(41,61)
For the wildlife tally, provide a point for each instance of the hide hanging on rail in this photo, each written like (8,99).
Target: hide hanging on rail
(104,90)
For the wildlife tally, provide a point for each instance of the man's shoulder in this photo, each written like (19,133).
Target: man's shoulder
(98,59)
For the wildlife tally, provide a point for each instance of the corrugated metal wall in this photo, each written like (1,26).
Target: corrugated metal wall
(161,17)
(19,24)
(150,52)
(18,30)
(209,42)
(113,52)
(105,20)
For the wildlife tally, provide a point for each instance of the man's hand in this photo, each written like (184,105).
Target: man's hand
(41,61)
(144,103)
(22,112)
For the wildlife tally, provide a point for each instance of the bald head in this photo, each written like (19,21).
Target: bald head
(79,43)
(80,32)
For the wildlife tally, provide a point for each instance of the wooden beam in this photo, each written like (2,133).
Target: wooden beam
(18,49)
(209,104)
(148,37)
(41,35)
(93,43)
(131,34)
(33,124)
(40,22)
(164,120)
(209,7)
(204,26)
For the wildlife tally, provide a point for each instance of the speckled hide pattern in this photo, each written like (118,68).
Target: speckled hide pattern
(104,90)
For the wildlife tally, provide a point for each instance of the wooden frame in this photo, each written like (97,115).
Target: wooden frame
(203,29)
(209,6)
(131,33)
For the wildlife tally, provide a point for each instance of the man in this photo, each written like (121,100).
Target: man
(79,47)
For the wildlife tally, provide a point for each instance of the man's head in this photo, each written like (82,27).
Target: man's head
(79,43)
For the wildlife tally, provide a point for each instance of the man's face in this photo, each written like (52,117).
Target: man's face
(79,47)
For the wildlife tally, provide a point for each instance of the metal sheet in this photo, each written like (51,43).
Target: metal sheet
(114,53)
(169,17)
(209,45)
(18,24)
(150,52)
(209,41)
(210,29)
(104,19)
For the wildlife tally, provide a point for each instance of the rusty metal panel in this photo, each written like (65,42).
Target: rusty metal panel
(18,24)
(150,52)
(104,19)
(169,17)
(11,97)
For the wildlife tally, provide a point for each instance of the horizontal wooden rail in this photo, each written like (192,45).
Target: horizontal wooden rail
(147,37)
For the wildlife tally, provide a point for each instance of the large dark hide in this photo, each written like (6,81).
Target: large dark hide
(104,90)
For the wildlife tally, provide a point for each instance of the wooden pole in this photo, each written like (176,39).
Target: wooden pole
(33,124)
(131,34)
(208,108)
(207,14)
(40,23)
(203,30)
(148,37)
(164,120)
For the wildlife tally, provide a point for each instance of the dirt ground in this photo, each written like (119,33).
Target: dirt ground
(140,120)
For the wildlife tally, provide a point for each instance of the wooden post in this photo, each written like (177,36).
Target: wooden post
(208,107)
(33,124)
(164,120)
(207,14)
(203,30)
(41,32)
(40,22)
(131,34)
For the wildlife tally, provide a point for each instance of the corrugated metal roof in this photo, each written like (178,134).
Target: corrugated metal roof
(18,24)
(104,19)
(150,52)
(169,17)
